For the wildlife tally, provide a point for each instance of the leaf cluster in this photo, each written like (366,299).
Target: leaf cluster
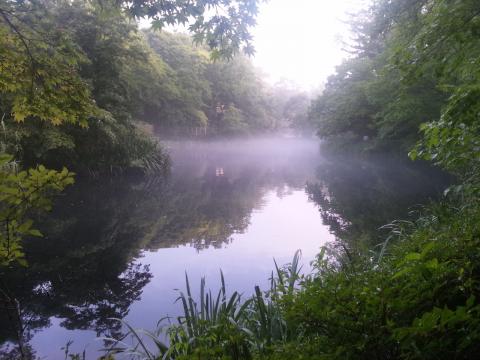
(21,193)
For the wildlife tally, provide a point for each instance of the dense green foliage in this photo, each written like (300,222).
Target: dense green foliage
(40,56)
(419,299)
(218,97)
(394,83)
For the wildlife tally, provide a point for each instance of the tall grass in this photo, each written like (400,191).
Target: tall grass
(217,326)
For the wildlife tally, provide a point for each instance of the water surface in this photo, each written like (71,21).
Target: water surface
(118,248)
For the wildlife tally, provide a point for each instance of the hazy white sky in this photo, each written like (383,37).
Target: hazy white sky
(299,40)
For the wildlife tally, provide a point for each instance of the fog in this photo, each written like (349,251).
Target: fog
(267,156)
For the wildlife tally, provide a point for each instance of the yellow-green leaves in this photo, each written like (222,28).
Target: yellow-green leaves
(39,68)
(20,194)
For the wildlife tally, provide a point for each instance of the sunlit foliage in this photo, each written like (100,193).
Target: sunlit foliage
(39,67)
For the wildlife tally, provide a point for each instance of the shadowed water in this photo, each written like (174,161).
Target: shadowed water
(117,248)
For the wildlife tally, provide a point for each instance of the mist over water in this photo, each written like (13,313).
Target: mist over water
(118,248)
(281,160)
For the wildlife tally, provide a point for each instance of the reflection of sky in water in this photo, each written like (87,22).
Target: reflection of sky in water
(280,227)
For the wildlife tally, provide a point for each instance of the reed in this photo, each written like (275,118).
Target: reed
(217,325)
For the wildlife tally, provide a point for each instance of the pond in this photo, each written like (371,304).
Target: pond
(119,247)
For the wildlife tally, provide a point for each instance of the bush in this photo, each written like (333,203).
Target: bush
(420,300)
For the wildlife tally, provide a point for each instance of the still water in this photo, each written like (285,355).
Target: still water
(118,248)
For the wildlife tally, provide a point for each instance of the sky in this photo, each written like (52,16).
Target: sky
(300,40)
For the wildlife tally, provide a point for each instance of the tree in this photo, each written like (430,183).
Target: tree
(448,44)
(208,89)
(344,107)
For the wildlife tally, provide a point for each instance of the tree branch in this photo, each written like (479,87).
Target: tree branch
(24,42)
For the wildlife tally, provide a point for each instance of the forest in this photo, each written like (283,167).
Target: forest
(84,94)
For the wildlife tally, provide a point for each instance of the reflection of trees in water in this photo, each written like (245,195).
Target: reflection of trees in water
(357,197)
(15,332)
(208,211)
(84,270)
(11,351)
(81,304)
